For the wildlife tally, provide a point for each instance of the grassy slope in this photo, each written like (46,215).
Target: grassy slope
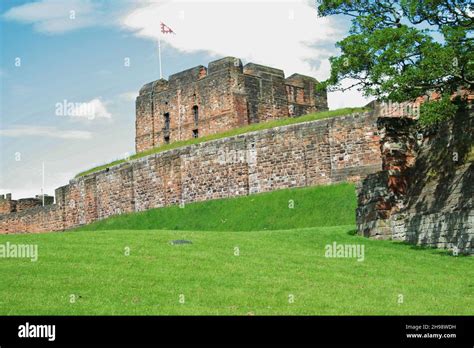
(271,265)
(233,132)
(316,206)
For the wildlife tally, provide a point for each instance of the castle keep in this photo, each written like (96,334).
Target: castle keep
(202,101)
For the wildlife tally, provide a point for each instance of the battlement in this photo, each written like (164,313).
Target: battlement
(188,75)
(9,205)
(155,87)
(299,80)
(202,101)
(226,64)
(7,197)
(262,71)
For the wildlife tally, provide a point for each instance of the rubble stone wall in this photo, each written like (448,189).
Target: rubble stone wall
(424,193)
(311,153)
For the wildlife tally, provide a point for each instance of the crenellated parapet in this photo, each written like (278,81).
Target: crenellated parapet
(9,205)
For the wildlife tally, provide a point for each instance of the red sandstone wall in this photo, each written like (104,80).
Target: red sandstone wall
(7,206)
(37,219)
(305,154)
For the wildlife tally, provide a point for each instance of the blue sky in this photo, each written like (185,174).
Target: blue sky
(81,60)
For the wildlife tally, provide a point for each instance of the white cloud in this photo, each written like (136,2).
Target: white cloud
(52,16)
(283,34)
(93,109)
(49,132)
(100,109)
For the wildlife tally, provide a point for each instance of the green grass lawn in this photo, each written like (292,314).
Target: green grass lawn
(286,261)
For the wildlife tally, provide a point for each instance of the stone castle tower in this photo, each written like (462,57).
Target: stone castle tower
(202,101)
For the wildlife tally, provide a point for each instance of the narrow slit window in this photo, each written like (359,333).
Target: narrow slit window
(167,120)
(196,114)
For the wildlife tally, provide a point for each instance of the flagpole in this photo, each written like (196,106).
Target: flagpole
(159,55)
(42,187)
(165,30)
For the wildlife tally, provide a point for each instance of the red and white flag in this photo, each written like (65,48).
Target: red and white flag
(165,29)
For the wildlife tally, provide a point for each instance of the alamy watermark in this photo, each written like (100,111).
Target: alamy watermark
(231,156)
(345,251)
(90,110)
(66,108)
(405,109)
(9,250)
(37,331)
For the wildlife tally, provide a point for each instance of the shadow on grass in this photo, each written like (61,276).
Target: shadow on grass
(352,232)
(407,245)
(432,250)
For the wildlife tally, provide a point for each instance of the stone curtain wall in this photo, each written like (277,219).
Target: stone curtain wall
(424,194)
(306,154)
(9,205)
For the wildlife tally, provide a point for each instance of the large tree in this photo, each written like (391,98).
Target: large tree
(400,50)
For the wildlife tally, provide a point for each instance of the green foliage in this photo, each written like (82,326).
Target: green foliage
(470,154)
(399,50)
(315,206)
(233,132)
(432,174)
(437,111)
